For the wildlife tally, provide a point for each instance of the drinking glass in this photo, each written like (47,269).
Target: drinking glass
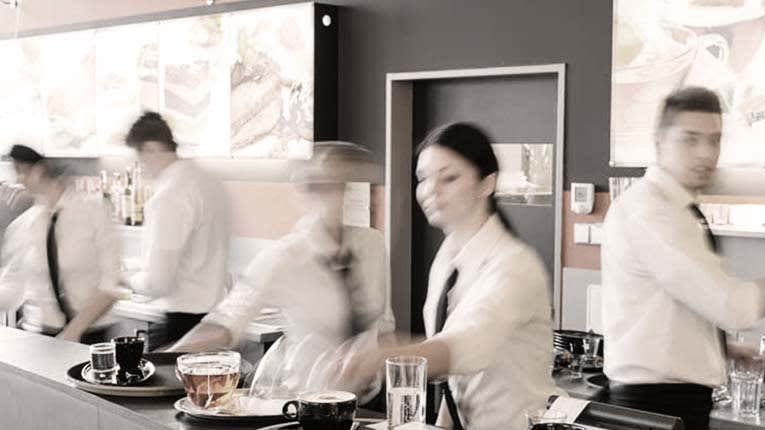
(406,377)
(575,366)
(103,362)
(746,386)
(543,416)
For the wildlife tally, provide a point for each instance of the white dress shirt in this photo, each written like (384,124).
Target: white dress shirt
(87,257)
(498,329)
(665,292)
(293,275)
(185,241)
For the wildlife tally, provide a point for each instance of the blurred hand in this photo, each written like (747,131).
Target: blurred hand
(70,334)
(360,370)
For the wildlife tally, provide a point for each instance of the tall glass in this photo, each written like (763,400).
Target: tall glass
(406,377)
(746,386)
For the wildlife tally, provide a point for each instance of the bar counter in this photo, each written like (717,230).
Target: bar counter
(37,395)
(722,418)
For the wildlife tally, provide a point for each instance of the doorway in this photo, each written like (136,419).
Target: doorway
(522,110)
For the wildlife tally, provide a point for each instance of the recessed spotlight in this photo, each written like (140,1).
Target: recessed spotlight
(326,20)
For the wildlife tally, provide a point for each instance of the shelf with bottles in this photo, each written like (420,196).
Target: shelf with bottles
(735,216)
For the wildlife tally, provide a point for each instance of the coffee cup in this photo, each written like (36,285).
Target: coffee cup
(323,410)
(129,352)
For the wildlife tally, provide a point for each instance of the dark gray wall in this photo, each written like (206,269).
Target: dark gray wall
(518,109)
(382,36)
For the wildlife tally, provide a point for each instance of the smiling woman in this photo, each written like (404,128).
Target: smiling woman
(487,297)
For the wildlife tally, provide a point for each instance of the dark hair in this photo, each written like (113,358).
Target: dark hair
(150,127)
(25,154)
(689,99)
(472,143)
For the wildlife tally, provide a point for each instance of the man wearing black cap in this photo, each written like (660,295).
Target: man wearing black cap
(59,257)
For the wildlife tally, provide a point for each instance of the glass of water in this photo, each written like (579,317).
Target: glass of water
(406,377)
(746,386)
(103,362)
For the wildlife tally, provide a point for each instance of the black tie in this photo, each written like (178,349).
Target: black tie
(52,251)
(443,301)
(442,312)
(343,263)
(712,244)
(705,225)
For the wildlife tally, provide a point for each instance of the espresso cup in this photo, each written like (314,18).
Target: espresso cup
(323,410)
(128,351)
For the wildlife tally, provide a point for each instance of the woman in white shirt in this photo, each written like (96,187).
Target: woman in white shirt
(487,313)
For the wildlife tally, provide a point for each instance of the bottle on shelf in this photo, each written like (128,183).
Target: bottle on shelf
(127,198)
(137,200)
(116,197)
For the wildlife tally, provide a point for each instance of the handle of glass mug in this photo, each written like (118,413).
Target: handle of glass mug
(713,40)
(286,410)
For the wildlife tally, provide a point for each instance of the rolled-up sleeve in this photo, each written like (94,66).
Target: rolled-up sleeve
(693,274)
(258,287)
(13,276)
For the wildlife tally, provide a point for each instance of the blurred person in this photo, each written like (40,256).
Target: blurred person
(330,280)
(666,295)
(185,235)
(59,257)
(488,309)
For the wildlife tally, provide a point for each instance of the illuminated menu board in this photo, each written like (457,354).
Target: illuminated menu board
(661,45)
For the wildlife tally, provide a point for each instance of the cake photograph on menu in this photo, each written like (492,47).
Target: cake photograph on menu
(195,79)
(22,114)
(272,83)
(127,81)
(69,93)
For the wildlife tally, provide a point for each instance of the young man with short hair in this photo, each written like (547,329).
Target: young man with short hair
(666,295)
(186,230)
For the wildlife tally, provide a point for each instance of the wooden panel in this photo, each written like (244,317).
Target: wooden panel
(733,200)
(266,210)
(575,255)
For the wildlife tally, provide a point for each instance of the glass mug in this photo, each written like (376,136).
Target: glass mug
(209,378)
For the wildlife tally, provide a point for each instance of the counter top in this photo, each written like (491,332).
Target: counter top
(37,365)
(722,417)
(264,329)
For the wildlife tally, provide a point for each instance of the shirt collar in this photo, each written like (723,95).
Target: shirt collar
(672,190)
(169,172)
(65,200)
(480,246)
(321,243)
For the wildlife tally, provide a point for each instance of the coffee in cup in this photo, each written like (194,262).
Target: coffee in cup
(323,410)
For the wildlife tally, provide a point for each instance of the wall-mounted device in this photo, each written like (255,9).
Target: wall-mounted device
(582,198)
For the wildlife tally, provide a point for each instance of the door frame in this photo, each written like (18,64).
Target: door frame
(398,172)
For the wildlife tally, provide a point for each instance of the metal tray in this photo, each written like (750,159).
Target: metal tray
(162,384)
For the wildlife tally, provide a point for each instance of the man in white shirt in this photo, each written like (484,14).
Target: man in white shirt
(329,280)
(186,230)
(59,257)
(666,295)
